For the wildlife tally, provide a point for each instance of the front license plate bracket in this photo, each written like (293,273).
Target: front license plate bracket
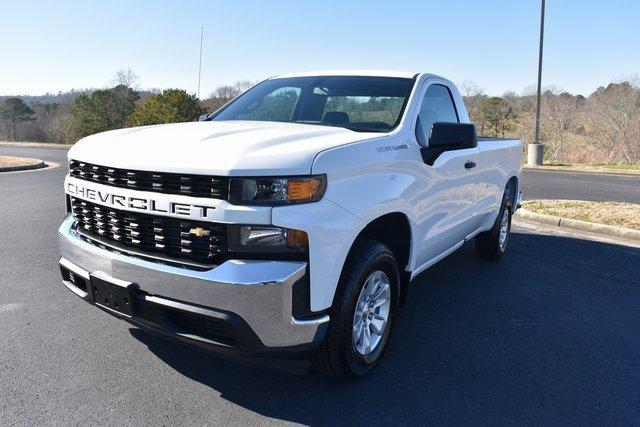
(113,294)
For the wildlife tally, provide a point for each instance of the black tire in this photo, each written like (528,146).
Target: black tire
(336,355)
(488,243)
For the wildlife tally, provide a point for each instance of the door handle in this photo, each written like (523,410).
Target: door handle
(469,165)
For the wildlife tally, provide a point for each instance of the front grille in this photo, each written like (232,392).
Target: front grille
(215,187)
(175,240)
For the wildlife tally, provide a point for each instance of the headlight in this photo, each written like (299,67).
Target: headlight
(277,191)
(259,238)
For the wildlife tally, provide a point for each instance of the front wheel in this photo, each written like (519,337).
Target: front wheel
(363,313)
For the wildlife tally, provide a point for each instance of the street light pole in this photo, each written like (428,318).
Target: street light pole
(536,150)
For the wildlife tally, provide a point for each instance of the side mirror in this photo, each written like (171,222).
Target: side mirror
(203,117)
(447,137)
(453,136)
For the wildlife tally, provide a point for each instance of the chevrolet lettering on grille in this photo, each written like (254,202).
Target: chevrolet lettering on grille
(137,202)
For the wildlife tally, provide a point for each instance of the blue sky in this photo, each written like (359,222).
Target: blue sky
(58,45)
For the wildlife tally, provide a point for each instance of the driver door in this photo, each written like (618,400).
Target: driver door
(447,211)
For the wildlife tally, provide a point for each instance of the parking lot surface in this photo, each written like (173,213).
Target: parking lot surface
(547,335)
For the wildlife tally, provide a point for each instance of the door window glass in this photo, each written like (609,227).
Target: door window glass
(437,106)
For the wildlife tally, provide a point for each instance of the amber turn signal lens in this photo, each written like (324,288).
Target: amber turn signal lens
(297,239)
(304,189)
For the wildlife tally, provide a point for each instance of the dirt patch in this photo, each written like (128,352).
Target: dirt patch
(9,161)
(610,213)
(14,164)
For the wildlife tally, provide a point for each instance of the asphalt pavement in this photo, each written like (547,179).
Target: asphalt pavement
(549,334)
(550,184)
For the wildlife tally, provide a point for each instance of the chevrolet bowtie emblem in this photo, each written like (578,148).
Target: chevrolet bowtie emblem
(199,232)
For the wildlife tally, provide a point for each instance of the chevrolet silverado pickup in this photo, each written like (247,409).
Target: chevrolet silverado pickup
(286,228)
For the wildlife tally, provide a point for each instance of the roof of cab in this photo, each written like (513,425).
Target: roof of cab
(373,73)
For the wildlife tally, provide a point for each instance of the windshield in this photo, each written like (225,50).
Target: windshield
(364,104)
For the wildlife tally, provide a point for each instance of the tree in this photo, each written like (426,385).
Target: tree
(102,110)
(497,115)
(614,121)
(170,106)
(15,111)
(559,120)
(126,77)
(52,124)
(473,96)
(224,94)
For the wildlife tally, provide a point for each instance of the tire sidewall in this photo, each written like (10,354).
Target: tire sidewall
(382,260)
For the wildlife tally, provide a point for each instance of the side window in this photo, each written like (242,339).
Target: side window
(437,106)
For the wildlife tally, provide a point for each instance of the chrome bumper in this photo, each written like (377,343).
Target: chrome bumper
(260,292)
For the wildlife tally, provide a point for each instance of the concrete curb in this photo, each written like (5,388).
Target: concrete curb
(592,172)
(38,165)
(607,230)
(34,145)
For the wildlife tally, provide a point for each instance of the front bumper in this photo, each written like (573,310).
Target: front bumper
(250,301)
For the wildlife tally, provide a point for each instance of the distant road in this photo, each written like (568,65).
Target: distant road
(57,155)
(537,184)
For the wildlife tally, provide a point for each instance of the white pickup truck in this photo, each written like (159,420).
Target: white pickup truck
(286,227)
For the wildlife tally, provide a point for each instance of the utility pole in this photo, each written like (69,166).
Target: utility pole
(536,150)
(200,64)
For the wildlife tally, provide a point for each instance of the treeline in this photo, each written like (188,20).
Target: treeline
(67,117)
(603,127)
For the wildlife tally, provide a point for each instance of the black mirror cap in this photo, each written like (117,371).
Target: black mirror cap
(448,137)
(453,136)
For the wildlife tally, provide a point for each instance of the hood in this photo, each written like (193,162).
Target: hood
(215,147)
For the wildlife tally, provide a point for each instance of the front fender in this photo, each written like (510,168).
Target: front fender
(331,230)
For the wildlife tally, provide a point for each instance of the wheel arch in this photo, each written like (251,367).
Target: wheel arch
(512,188)
(394,230)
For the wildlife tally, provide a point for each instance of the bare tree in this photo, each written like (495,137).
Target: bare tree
(613,113)
(223,94)
(242,86)
(125,77)
(559,121)
(469,88)
(473,96)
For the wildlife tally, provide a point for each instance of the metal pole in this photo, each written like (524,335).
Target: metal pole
(200,64)
(536,150)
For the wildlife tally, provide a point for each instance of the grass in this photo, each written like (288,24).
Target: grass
(9,161)
(611,213)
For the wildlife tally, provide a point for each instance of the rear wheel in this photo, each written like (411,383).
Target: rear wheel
(492,244)
(363,313)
